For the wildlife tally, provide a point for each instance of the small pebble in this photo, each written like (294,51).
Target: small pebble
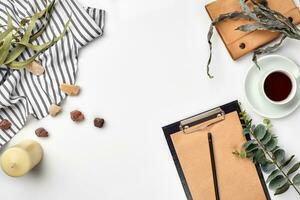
(77,116)
(71,90)
(41,132)
(54,110)
(5,124)
(98,122)
(35,68)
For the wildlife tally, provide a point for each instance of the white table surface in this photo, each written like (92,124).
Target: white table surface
(146,72)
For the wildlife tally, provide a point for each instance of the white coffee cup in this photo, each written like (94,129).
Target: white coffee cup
(292,93)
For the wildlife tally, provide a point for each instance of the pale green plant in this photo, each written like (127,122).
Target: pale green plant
(15,40)
(262,149)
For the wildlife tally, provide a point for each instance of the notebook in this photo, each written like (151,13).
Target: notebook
(233,38)
(238,179)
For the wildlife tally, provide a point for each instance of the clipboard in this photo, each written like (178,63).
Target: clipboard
(238,178)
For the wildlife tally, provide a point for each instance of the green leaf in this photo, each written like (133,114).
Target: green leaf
(18,50)
(279,155)
(4,49)
(250,156)
(9,28)
(282,189)
(252,148)
(259,157)
(267,138)
(277,182)
(248,143)
(296,180)
(260,131)
(44,26)
(266,121)
(22,64)
(275,149)
(287,162)
(243,154)
(246,131)
(273,175)
(243,114)
(37,47)
(294,168)
(272,144)
(268,167)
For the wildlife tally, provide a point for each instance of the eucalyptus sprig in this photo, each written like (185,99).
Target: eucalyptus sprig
(15,40)
(263,149)
(261,17)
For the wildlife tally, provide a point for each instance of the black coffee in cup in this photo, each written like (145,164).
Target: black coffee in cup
(278,86)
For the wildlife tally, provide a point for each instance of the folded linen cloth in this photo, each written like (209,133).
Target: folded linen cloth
(22,93)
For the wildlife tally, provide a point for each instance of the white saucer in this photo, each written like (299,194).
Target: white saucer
(253,88)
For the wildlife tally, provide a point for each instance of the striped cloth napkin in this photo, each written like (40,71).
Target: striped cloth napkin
(22,93)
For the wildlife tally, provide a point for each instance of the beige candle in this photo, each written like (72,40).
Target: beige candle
(21,158)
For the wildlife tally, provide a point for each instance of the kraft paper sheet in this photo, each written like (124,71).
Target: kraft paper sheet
(237,178)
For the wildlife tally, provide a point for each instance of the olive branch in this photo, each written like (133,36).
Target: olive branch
(263,149)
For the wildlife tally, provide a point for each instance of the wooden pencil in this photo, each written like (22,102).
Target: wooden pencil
(213,165)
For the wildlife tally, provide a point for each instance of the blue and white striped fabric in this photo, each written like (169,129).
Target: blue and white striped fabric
(22,93)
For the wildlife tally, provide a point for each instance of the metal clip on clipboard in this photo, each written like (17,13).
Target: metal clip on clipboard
(202,121)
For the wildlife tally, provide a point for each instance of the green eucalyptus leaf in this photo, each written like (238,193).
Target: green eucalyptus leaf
(260,131)
(250,156)
(249,123)
(277,182)
(275,149)
(268,167)
(273,175)
(267,138)
(248,143)
(282,189)
(252,148)
(246,131)
(259,157)
(279,155)
(287,162)
(296,180)
(272,144)
(294,168)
